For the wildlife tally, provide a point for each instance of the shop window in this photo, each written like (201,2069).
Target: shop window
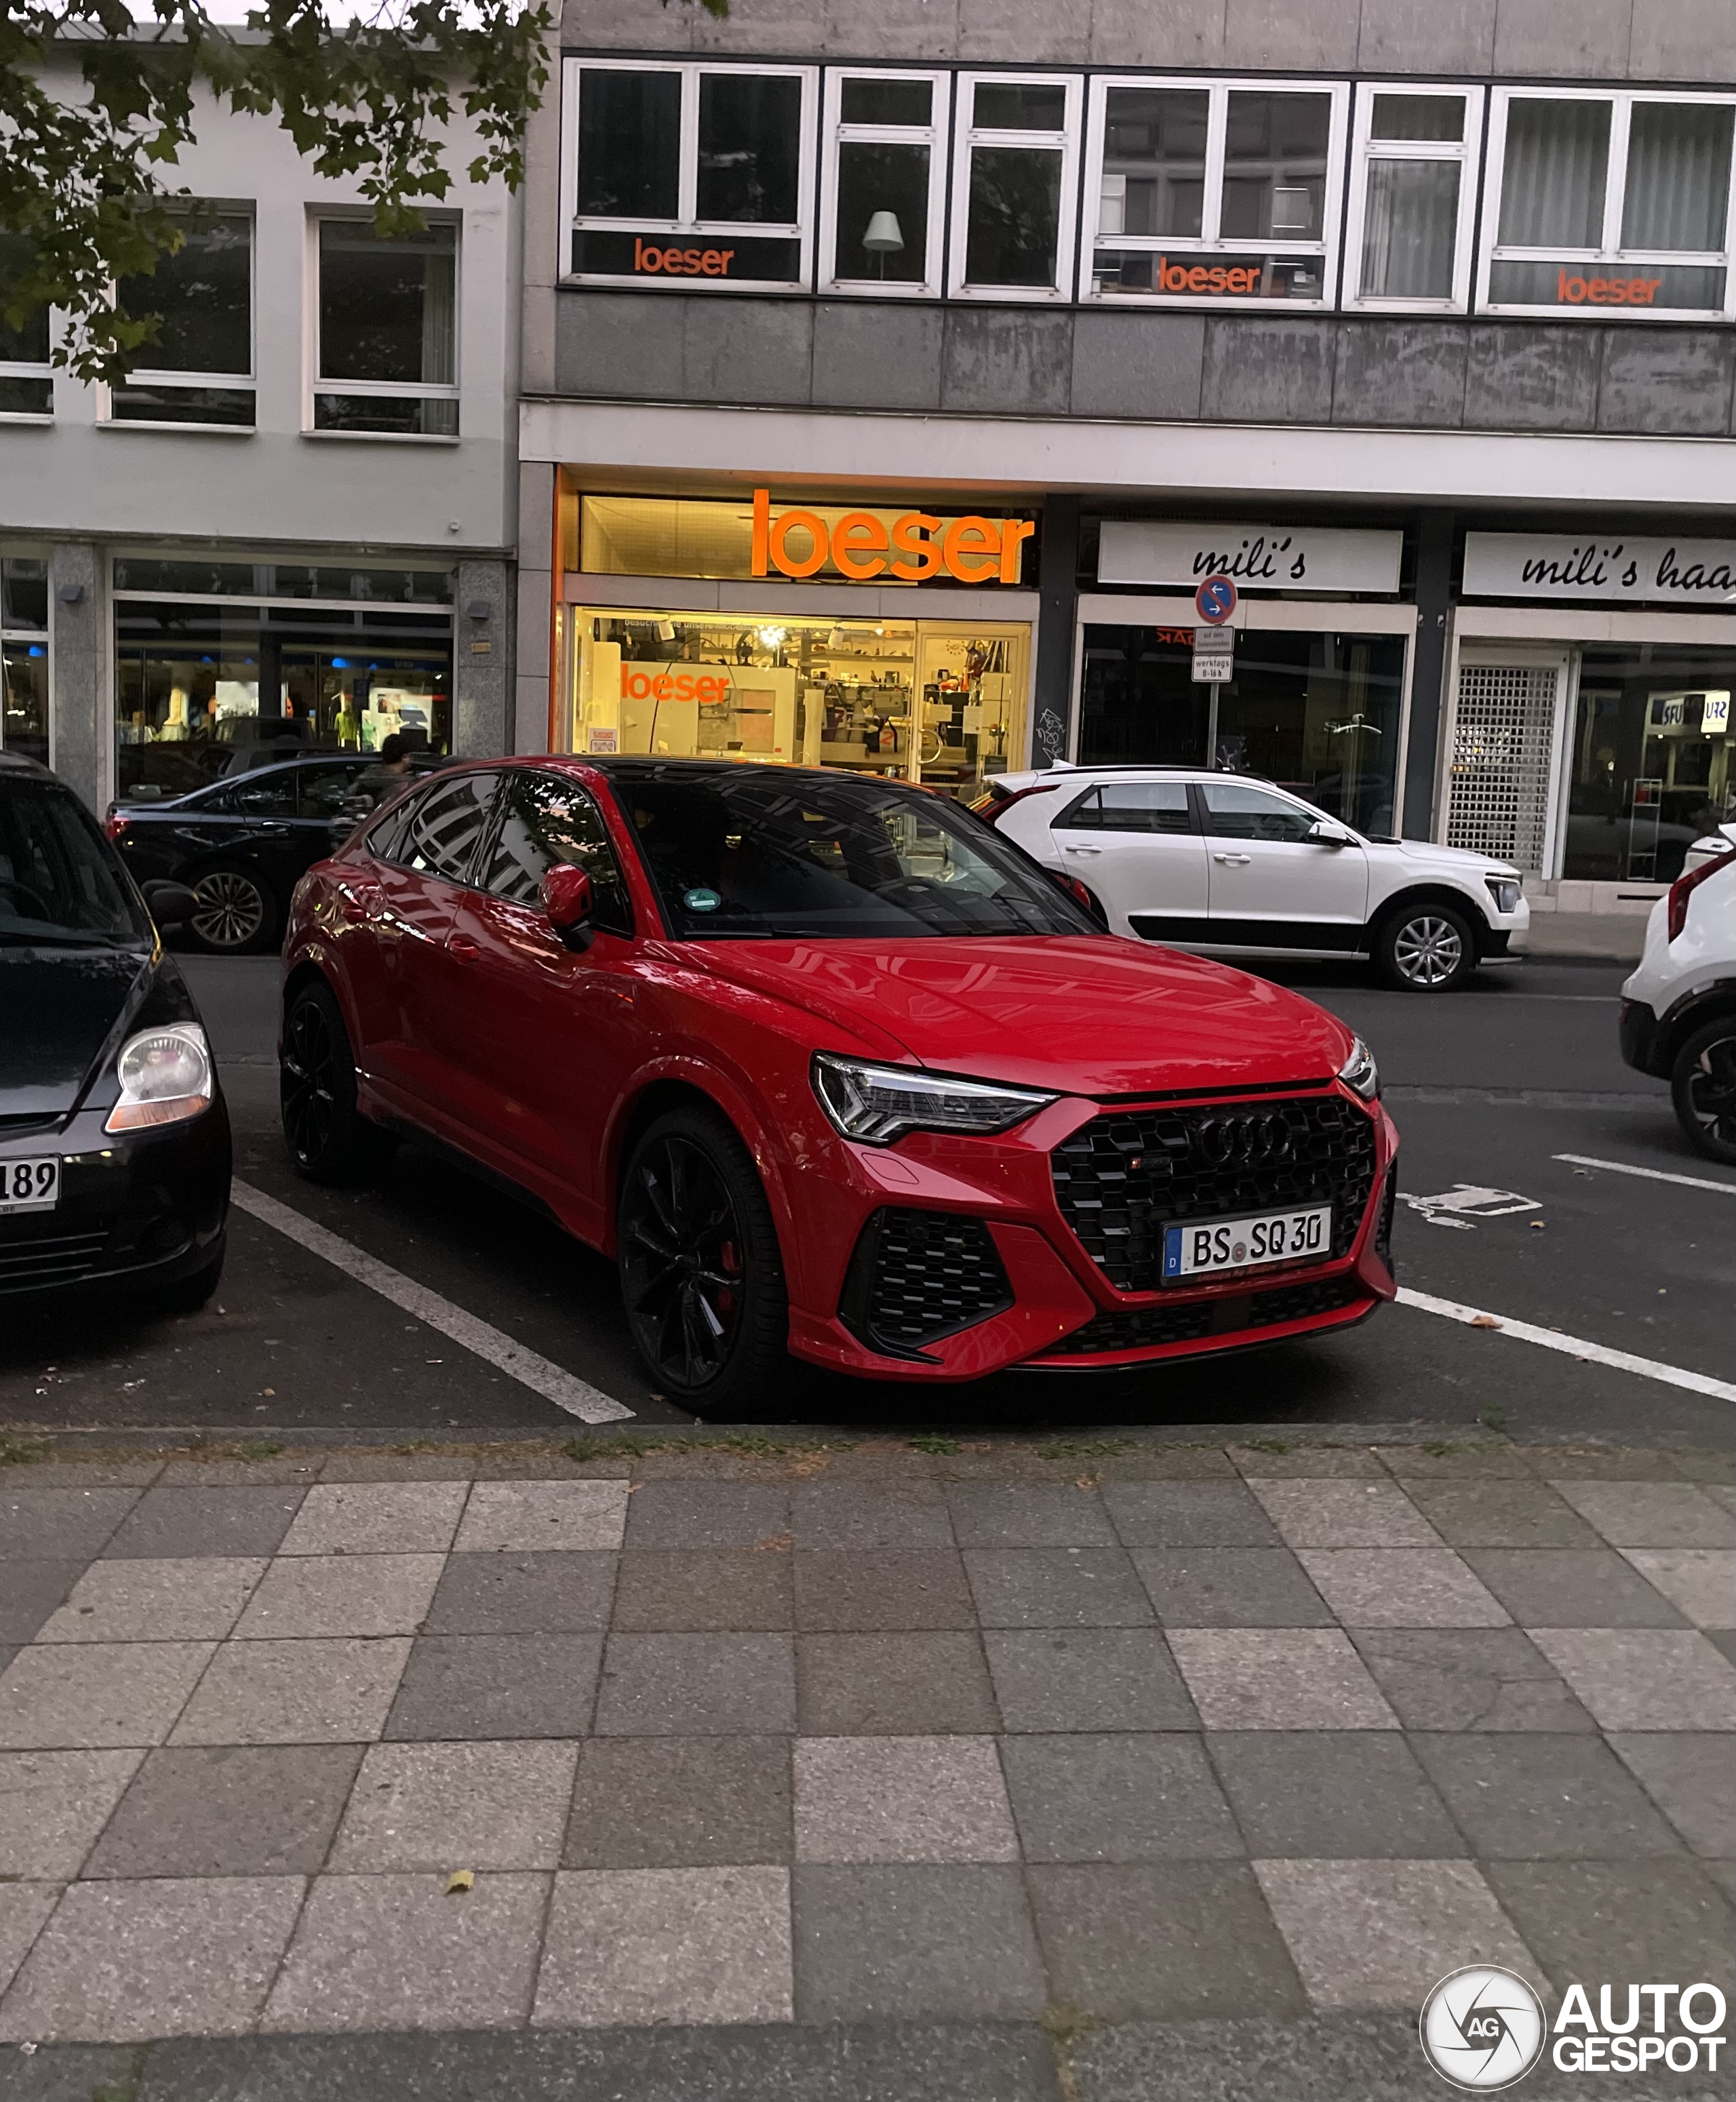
(1014,184)
(23,655)
(198,368)
(26,381)
(388,357)
(689,175)
(212,579)
(1619,203)
(881,217)
(1412,196)
(1213,193)
(1651,769)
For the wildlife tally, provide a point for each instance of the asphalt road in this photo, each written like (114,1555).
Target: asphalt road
(1487,1087)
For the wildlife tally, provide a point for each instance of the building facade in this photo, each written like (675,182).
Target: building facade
(296,523)
(892,377)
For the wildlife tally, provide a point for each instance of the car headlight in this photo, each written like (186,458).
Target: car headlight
(1359,1073)
(876,1104)
(1505,890)
(166,1077)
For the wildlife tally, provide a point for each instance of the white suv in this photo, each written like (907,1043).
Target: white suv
(1679,1008)
(1237,867)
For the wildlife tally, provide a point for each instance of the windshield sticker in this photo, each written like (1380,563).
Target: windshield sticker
(701,901)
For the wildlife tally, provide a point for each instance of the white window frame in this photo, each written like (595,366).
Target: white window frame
(1366,150)
(1209,245)
(686,225)
(151,375)
(1609,252)
(967,137)
(315,382)
(934,135)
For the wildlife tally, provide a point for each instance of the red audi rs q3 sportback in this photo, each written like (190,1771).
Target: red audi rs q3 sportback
(828,1067)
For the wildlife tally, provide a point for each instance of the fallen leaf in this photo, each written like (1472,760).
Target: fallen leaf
(774,1543)
(460,1881)
(1485,1321)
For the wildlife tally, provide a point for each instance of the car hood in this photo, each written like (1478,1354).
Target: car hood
(1462,858)
(1080,1015)
(67,1011)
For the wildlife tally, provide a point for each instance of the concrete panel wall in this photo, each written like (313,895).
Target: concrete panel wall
(1305,369)
(482,650)
(78,653)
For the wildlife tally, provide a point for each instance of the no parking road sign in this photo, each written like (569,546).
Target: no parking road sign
(1214,644)
(1215,601)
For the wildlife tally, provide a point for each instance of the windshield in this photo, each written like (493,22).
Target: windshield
(748,851)
(57,883)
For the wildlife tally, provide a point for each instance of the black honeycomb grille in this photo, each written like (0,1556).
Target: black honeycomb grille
(1297,1302)
(1122,1178)
(917,1276)
(1145,1328)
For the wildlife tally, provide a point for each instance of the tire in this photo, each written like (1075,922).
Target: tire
(1425,947)
(237,917)
(1702,1085)
(329,1139)
(187,1295)
(702,1278)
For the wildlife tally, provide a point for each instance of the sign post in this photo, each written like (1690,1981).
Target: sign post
(1214,650)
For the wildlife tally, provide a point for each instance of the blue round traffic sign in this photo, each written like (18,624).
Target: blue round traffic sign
(1216,600)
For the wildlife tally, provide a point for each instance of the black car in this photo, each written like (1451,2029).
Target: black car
(242,844)
(114,1139)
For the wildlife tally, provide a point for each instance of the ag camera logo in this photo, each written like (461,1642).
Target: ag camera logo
(1483,2028)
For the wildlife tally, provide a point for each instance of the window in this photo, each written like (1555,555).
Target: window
(1130,806)
(545,821)
(23,655)
(1012,187)
(688,175)
(26,383)
(1213,192)
(1620,202)
(1409,238)
(388,358)
(198,368)
(882,221)
(1234,811)
(331,791)
(441,828)
(268,795)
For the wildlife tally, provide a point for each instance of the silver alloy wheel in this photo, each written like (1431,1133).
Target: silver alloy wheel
(232,910)
(1427,951)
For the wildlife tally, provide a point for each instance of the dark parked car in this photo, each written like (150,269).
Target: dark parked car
(242,844)
(114,1140)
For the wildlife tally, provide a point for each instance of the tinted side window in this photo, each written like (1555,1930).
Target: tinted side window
(268,795)
(439,835)
(1130,806)
(544,820)
(323,790)
(1234,811)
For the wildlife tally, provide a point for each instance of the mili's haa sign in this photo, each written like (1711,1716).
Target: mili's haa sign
(1614,570)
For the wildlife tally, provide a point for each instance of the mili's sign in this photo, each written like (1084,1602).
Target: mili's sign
(1257,557)
(1610,570)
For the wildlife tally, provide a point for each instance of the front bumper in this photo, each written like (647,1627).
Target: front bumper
(1640,1035)
(137,1208)
(1057,1309)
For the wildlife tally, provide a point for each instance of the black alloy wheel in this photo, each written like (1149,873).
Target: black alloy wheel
(1704,1085)
(1426,948)
(329,1139)
(236,913)
(700,1270)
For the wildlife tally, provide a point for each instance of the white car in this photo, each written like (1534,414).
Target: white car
(1710,848)
(1679,1008)
(1237,867)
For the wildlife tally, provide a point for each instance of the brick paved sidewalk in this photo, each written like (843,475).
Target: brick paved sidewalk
(1106,1770)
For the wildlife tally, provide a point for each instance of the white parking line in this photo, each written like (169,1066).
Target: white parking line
(1651,1174)
(1572,1346)
(576,1396)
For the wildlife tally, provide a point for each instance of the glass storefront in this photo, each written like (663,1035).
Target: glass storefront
(23,657)
(1319,714)
(194,680)
(1649,770)
(935,701)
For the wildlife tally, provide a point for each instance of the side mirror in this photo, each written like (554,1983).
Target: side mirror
(172,904)
(1325,834)
(567,899)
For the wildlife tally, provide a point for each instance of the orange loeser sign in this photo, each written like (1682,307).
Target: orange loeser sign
(861,547)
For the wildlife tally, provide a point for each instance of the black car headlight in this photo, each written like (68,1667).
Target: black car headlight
(165,1076)
(876,1104)
(1359,1073)
(1506,891)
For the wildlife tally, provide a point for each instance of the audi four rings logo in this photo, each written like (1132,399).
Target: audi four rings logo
(1242,1140)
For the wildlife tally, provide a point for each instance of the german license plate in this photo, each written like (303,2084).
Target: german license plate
(30,1186)
(1203,1248)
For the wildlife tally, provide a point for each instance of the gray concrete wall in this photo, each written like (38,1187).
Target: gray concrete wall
(81,706)
(1674,40)
(482,656)
(1322,368)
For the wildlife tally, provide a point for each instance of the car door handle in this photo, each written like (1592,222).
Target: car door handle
(1235,861)
(464,948)
(1084,849)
